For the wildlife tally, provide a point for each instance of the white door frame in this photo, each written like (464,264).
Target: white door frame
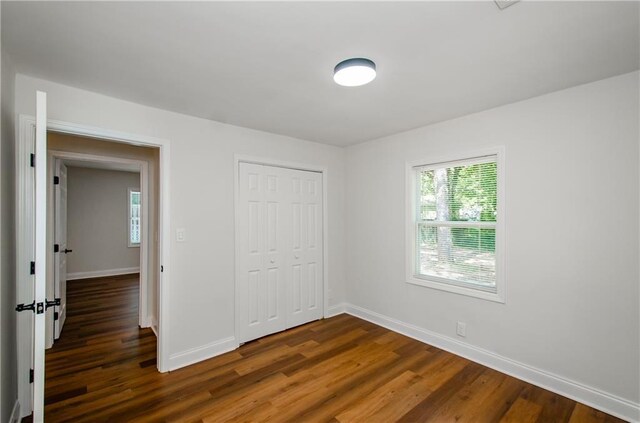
(241,158)
(143,167)
(25,197)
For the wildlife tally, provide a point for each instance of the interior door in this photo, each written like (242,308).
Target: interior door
(305,251)
(60,236)
(40,249)
(261,297)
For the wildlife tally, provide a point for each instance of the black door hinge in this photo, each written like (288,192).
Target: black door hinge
(30,375)
(39,308)
(25,307)
(32,268)
(32,160)
(56,316)
(55,302)
(161,269)
(56,180)
(56,248)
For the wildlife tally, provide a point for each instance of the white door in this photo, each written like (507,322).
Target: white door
(279,249)
(261,290)
(40,241)
(305,260)
(60,236)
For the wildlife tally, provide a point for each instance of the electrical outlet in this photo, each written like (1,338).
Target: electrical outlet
(461,329)
(181,235)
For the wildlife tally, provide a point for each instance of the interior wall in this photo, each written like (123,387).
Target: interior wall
(8,351)
(571,220)
(201,289)
(98,221)
(68,143)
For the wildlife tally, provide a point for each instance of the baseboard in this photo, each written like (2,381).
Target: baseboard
(336,309)
(592,397)
(15,413)
(102,273)
(195,355)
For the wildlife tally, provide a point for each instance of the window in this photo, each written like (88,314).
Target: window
(134,217)
(455,226)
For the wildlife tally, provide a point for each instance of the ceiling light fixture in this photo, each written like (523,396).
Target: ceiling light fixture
(354,72)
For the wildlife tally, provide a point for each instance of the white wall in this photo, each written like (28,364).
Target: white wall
(571,234)
(8,354)
(97,220)
(202,153)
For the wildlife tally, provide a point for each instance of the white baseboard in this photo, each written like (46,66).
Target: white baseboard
(102,273)
(336,309)
(197,354)
(592,397)
(15,413)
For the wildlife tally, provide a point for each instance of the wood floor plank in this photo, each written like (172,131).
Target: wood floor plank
(342,369)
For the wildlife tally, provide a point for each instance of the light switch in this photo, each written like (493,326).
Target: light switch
(181,235)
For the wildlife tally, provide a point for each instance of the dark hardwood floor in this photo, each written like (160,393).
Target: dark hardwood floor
(341,369)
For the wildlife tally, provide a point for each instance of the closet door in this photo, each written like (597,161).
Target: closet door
(262,230)
(305,252)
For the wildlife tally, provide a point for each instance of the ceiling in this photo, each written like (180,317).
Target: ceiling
(90,164)
(269,66)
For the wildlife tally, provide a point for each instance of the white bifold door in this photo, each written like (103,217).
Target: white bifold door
(280,254)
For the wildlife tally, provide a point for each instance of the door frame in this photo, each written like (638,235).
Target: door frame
(143,168)
(25,233)
(241,158)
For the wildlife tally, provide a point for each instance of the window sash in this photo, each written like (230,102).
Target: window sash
(134,218)
(418,222)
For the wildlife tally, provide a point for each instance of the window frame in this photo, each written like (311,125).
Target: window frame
(129,192)
(443,284)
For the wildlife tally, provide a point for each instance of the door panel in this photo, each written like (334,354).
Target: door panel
(261,284)
(305,251)
(40,241)
(60,236)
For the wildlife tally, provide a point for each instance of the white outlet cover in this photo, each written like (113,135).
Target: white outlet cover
(181,235)
(503,4)
(461,329)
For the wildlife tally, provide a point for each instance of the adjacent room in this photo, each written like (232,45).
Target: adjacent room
(320,211)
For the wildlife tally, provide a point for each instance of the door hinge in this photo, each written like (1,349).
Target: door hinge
(161,269)
(32,268)
(25,307)
(55,302)
(56,248)
(32,160)
(39,308)
(56,180)
(30,375)
(56,316)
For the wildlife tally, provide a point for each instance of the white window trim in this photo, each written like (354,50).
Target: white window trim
(129,243)
(410,235)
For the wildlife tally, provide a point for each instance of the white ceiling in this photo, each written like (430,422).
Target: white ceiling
(269,65)
(89,164)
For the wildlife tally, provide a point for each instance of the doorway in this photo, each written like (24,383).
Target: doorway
(280,260)
(26,198)
(113,212)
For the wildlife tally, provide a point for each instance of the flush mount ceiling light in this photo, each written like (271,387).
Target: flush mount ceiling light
(354,72)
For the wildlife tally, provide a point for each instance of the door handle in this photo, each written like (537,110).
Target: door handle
(67,251)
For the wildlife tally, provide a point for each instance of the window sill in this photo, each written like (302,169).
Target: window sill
(134,245)
(497,297)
